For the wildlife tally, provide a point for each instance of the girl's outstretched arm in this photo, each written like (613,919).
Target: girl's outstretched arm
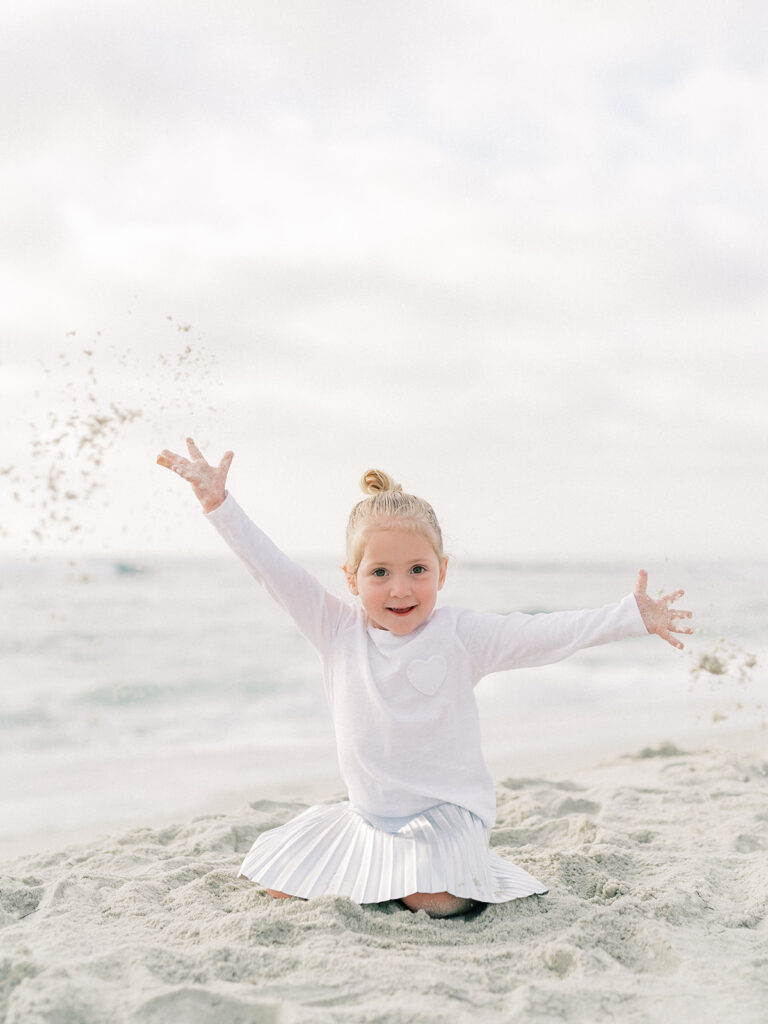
(208,482)
(317,613)
(657,615)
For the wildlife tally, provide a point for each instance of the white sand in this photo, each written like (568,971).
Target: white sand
(658,871)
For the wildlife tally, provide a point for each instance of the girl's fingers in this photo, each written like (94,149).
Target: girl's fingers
(226,461)
(659,617)
(167,458)
(666,635)
(194,451)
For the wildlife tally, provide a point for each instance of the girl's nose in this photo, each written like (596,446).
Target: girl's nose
(401,585)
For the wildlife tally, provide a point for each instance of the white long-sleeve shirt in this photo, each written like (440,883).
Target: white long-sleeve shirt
(403,707)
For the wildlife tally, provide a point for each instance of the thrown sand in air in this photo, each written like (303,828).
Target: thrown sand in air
(100,391)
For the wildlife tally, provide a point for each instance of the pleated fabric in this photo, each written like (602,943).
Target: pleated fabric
(332,850)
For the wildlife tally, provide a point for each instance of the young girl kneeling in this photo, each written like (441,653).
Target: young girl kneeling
(399,677)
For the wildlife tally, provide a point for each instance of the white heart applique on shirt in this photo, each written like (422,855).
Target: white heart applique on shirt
(428,676)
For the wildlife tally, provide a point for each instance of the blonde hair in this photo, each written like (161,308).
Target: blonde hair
(387,501)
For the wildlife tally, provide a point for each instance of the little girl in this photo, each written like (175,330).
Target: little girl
(399,676)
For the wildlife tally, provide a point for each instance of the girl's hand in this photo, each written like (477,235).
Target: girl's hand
(657,615)
(208,482)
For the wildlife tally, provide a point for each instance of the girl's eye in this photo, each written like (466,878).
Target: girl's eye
(419,569)
(379,572)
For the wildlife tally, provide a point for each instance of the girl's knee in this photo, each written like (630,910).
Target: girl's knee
(276,894)
(438,904)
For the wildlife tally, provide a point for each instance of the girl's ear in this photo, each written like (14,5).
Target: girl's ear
(351,580)
(443,571)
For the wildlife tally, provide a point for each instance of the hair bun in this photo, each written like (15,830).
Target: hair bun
(375,481)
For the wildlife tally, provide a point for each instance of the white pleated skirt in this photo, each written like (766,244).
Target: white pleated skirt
(333,850)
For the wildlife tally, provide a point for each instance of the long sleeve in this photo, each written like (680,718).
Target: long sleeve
(317,613)
(520,640)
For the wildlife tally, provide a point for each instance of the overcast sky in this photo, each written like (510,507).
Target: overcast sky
(514,254)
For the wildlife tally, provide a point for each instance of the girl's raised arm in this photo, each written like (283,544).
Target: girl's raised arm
(317,613)
(208,482)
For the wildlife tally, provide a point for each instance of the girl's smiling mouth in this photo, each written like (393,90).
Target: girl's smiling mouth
(402,611)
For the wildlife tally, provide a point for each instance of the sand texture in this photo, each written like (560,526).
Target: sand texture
(658,871)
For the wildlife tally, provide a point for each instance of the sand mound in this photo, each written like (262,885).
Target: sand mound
(658,873)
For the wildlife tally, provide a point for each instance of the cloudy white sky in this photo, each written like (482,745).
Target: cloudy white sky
(515,254)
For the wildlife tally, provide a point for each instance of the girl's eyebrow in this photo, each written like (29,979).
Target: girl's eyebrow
(412,561)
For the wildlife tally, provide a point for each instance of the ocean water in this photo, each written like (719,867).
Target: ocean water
(141,694)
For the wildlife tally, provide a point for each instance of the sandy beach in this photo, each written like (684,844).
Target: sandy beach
(656,862)
(632,783)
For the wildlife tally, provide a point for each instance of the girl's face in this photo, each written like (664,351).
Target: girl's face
(398,578)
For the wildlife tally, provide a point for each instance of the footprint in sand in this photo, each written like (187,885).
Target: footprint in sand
(575,806)
(201,1006)
(634,945)
(19,899)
